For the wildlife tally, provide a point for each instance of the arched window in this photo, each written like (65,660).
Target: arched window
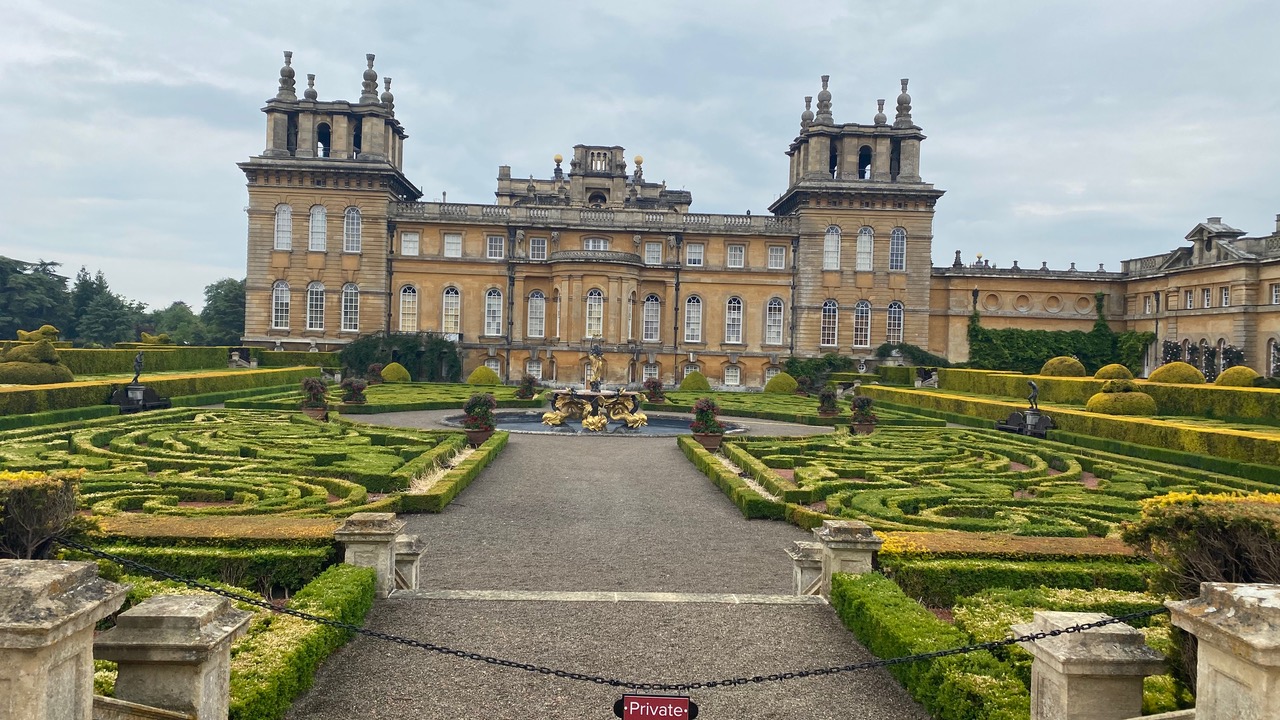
(451,307)
(898,249)
(284,227)
(773,322)
(1186,346)
(866,243)
(733,320)
(650,330)
(831,249)
(350,308)
(537,314)
(324,140)
(862,324)
(830,323)
(351,230)
(595,313)
(493,312)
(893,324)
(1222,355)
(864,162)
(280,305)
(693,319)
(408,309)
(595,243)
(318,233)
(315,306)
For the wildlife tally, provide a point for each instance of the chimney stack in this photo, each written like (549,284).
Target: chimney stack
(1217,220)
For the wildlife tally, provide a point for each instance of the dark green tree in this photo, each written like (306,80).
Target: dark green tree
(109,319)
(223,315)
(178,321)
(31,295)
(84,291)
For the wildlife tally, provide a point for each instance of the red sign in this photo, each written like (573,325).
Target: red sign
(655,707)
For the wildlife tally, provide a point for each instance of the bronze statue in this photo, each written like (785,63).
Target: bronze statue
(1034,397)
(137,368)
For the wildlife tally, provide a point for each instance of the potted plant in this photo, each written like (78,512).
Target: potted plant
(653,390)
(315,398)
(373,374)
(479,422)
(707,430)
(527,388)
(863,421)
(353,391)
(827,402)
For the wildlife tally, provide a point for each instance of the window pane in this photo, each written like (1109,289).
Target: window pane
(732,375)
(351,231)
(319,232)
(893,329)
(652,318)
(693,254)
(866,241)
(350,308)
(533,368)
(452,320)
(452,245)
(831,249)
(733,321)
(777,258)
(493,312)
(898,249)
(650,371)
(497,244)
(280,305)
(693,320)
(653,253)
(408,310)
(538,248)
(595,314)
(315,306)
(409,243)
(284,228)
(830,318)
(862,324)
(737,256)
(537,314)
(595,243)
(773,322)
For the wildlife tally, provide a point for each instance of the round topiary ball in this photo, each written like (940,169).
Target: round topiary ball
(1119,386)
(395,373)
(1177,372)
(482,375)
(695,382)
(1238,376)
(1122,403)
(1063,366)
(782,383)
(1114,371)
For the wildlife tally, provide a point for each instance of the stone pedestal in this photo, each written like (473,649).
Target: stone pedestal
(847,547)
(806,564)
(1091,675)
(409,550)
(1238,660)
(174,652)
(47,613)
(369,539)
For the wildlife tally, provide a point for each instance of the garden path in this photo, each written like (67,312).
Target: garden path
(609,556)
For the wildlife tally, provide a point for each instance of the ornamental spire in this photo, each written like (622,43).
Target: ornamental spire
(369,88)
(286,79)
(824,104)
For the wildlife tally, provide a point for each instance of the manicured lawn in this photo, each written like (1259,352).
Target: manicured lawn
(394,397)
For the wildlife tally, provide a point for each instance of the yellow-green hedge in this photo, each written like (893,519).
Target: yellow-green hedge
(483,375)
(1063,366)
(395,373)
(1066,390)
(781,383)
(1122,403)
(1114,371)
(1238,376)
(1177,372)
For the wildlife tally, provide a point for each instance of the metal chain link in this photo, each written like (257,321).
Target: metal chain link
(599,679)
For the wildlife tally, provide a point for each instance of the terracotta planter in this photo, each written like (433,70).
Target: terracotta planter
(827,413)
(477,437)
(863,428)
(321,414)
(710,441)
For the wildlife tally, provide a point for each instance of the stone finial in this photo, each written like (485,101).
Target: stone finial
(824,104)
(369,88)
(903,118)
(880,118)
(310,93)
(1100,268)
(806,117)
(287,82)
(369,540)
(1044,266)
(1015,266)
(957,263)
(387,98)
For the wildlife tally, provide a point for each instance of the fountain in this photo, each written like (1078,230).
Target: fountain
(595,408)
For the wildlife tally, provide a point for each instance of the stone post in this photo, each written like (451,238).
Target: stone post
(48,610)
(174,653)
(1238,657)
(847,547)
(409,550)
(370,540)
(806,564)
(1091,675)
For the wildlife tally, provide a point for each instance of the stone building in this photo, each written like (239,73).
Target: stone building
(341,245)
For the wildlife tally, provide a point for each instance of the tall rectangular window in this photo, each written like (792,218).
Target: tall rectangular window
(732,375)
(650,319)
(830,323)
(280,305)
(351,231)
(409,243)
(533,368)
(1226,297)
(1275,293)
(315,306)
(350,308)
(453,244)
(866,244)
(408,309)
(862,324)
(595,313)
(538,248)
(1208,297)
(693,319)
(1146,304)
(537,314)
(898,249)
(318,232)
(777,257)
(737,256)
(493,312)
(284,227)
(773,322)
(693,254)
(451,320)
(650,371)
(653,253)
(831,249)
(496,247)
(733,321)
(1190,301)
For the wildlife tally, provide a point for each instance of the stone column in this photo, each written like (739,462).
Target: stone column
(47,613)
(409,550)
(370,542)
(847,547)
(1238,659)
(1091,675)
(806,564)
(174,652)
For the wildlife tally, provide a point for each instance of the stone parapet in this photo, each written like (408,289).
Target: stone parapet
(409,550)
(369,539)
(848,546)
(806,566)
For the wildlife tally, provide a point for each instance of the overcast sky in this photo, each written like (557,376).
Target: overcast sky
(1061,131)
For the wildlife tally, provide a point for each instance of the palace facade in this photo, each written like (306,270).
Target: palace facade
(340,245)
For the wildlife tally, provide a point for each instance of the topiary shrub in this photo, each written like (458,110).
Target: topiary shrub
(1119,386)
(483,375)
(46,332)
(34,364)
(36,507)
(395,373)
(1114,371)
(1063,366)
(161,339)
(1177,372)
(1238,376)
(782,384)
(695,382)
(1122,403)
(38,352)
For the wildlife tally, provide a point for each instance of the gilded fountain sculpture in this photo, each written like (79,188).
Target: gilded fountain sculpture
(595,407)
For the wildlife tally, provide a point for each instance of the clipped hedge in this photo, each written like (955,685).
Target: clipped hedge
(897,375)
(1114,371)
(781,384)
(292,358)
(1063,366)
(695,382)
(1177,372)
(972,686)
(259,568)
(155,358)
(938,583)
(752,504)
(1065,390)
(34,373)
(1238,376)
(396,373)
(436,498)
(1122,403)
(51,417)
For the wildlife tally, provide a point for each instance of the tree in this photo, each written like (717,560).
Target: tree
(223,314)
(182,325)
(109,319)
(84,291)
(31,295)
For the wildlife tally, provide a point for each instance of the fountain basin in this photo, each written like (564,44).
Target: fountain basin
(521,421)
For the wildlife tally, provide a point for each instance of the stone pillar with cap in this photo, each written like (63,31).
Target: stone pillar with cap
(806,565)
(409,550)
(1094,674)
(370,539)
(48,610)
(174,653)
(1238,655)
(848,546)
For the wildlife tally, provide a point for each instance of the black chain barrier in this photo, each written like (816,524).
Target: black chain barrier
(599,679)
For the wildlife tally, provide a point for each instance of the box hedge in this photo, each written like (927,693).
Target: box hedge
(1063,366)
(259,568)
(896,374)
(938,583)
(455,480)
(290,358)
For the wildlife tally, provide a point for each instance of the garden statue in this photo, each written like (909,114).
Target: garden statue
(595,367)
(1034,397)
(137,367)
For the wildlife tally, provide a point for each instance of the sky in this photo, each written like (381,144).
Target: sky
(1079,131)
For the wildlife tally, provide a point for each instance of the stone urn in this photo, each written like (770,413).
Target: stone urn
(862,428)
(317,413)
(477,437)
(710,441)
